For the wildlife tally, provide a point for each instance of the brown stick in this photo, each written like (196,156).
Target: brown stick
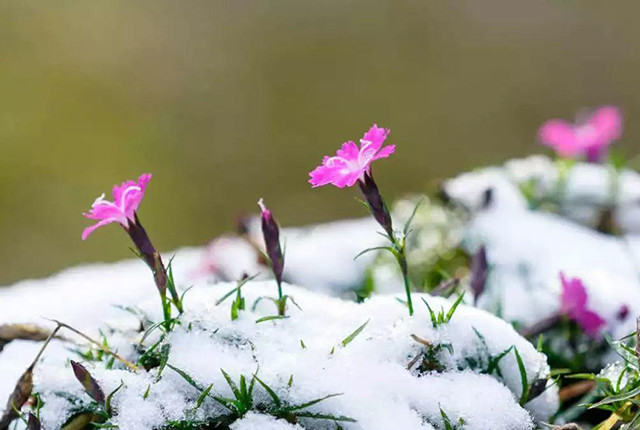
(540,327)
(23,389)
(576,390)
(122,360)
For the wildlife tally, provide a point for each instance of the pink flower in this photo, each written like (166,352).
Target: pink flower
(126,199)
(574,305)
(590,137)
(350,162)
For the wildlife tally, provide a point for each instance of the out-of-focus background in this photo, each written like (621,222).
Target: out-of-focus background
(228,101)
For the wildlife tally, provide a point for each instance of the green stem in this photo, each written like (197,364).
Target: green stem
(614,185)
(166,312)
(402,262)
(407,286)
(381,214)
(563,166)
(281,302)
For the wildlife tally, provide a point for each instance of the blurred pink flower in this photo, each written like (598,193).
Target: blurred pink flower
(228,258)
(590,137)
(126,199)
(350,162)
(574,305)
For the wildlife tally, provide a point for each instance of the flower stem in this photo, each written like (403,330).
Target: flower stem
(151,256)
(281,302)
(563,166)
(97,344)
(402,262)
(381,214)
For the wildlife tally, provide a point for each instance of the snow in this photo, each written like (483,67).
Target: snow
(528,249)
(321,256)
(371,372)
(76,295)
(589,189)
(528,245)
(254,421)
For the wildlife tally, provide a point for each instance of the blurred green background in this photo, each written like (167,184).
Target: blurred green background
(228,101)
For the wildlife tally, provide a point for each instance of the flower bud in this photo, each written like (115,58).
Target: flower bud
(271,233)
(479,273)
(376,203)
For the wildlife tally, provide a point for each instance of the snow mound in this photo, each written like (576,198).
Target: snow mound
(384,377)
(587,191)
(527,247)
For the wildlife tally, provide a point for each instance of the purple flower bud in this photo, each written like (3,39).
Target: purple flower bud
(89,384)
(623,313)
(33,423)
(149,254)
(538,387)
(479,273)
(271,233)
(376,203)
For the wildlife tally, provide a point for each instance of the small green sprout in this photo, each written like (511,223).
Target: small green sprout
(440,318)
(429,358)
(243,401)
(347,340)
(487,362)
(448,425)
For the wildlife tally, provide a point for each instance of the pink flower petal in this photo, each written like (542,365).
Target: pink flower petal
(349,151)
(608,122)
(560,136)
(590,322)
(590,138)
(385,152)
(376,136)
(350,162)
(127,197)
(574,295)
(103,210)
(574,305)
(87,231)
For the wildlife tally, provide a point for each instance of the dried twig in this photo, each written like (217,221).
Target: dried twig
(10,332)
(575,390)
(122,360)
(421,341)
(24,387)
(445,287)
(540,327)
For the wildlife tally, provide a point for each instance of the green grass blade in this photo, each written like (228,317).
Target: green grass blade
(453,308)
(203,396)
(271,318)
(347,340)
(186,377)
(272,394)
(313,402)
(523,377)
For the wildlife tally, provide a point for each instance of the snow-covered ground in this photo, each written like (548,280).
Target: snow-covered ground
(304,358)
(527,249)
(539,219)
(378,390)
